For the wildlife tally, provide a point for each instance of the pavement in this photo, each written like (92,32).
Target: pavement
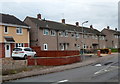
(86,61)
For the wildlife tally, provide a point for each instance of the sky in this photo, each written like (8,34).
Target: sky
(99,13)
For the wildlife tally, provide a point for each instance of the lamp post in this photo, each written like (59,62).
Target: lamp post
(83,36)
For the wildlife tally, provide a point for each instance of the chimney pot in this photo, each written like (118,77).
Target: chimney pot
(116,29)
(108,27)
(39,16)
(63,21)
(91,26)
(77,23)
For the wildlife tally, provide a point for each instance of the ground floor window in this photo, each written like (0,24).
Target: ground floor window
(19,45)
(84,46)
(45,46)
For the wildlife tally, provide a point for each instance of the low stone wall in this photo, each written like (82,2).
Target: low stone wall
(10,64)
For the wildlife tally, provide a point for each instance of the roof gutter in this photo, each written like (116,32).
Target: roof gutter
(14,25)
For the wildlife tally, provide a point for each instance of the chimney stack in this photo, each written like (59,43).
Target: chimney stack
(108,27)
(39,16)
(91,26)
(63,21)
(116,29)
(77,23)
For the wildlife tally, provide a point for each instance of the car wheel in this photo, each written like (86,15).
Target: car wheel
(25,57)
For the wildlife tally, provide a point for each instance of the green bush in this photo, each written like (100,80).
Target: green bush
(114,49)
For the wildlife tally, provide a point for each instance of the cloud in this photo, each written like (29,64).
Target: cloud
(100,13)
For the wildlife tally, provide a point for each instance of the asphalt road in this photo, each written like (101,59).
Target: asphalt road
(104,71)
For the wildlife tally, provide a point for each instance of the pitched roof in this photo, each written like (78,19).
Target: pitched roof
(115,32)
(61,26)
(10,19)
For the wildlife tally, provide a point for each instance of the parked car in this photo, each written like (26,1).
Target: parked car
(23,52)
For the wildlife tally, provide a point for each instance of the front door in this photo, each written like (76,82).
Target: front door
(7,50)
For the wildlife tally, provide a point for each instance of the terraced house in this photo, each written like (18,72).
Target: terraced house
(112,37)
(13,33)
(51,35)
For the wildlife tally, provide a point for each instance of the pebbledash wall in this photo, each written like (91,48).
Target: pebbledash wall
(53,58)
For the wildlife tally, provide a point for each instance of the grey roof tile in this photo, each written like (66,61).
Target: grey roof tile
(10,19)
(61,26)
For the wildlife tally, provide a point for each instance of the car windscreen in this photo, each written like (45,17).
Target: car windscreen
(17,49)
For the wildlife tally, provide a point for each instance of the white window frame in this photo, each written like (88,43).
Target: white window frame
(77,35)
(84,46)
(85,36)
(45,46)
(93,36)
(4,30)
(44,31)
(66,34)
(96,37)
(61,33)
(20,30)
(53,32)
(19,45)
(62,47)
(103,38)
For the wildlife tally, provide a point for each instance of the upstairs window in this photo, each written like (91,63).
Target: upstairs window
(19,30)
(53,33)
(45,32)
(6,30)
(72,35)
(77,35)
(116,36)
(102,37)
(85,36)
(61,33)
(93,37)
(66,34)
(96,37)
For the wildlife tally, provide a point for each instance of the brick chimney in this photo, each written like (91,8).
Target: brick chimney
(63,21)
(39,16)
(108,27)
(77,23)
(91,26)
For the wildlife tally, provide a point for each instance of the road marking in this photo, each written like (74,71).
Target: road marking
(98,65)
(62,81)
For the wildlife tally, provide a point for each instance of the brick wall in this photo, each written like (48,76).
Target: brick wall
(2,50)
(53,61)
(53,58)
(41,53)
